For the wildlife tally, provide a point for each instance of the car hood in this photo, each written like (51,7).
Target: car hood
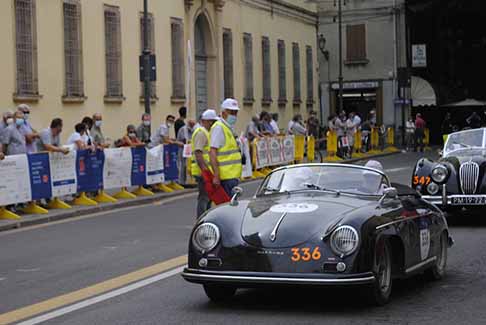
(285,221)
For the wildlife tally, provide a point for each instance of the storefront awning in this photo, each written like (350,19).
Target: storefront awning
(468,102)
(422,92)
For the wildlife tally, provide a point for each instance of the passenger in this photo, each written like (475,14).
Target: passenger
(372,181)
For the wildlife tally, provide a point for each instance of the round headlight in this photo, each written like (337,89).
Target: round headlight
(344,240)
(432,188)
(439,173)
(206,237)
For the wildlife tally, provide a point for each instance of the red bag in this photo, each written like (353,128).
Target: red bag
(217,194)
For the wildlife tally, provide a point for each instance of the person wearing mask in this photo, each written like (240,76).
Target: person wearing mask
(49,139)
(419,132)
(297,126)
(130,139)
(162,135)
(313,124)
(31,135)
(96,133)
(13,140)
(274,123)
(409,134)
(265,126)
(180,122)
(7,119)
(200,158)
(143,130)
(77,138)
(225,155)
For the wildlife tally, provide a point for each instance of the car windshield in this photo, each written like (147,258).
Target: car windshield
(325,178)
(465,140)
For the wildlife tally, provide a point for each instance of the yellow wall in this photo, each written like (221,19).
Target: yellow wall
(237,15)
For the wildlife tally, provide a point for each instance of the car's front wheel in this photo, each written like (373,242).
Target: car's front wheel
(437,271)
(218,292)
(382,269)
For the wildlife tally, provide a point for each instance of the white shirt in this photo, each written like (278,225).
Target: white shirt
(357,121)
(274,126)
(73,138)
(289,127)
(162,131)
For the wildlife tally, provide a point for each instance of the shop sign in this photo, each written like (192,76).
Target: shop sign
(357,85)
(419,56)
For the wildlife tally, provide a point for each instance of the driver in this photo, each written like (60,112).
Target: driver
(296,179)
(372,181)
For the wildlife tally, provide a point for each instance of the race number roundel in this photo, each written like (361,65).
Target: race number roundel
(294,208)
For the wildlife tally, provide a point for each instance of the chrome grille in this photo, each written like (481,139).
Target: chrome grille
(468,175)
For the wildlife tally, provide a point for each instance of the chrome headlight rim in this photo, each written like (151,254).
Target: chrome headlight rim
(334,247)
(197,244)
(439,178)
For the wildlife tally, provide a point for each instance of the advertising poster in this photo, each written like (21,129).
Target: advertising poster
(155,165)
(15,181)
(63,173)
(117,171)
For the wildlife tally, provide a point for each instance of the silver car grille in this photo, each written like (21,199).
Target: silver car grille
(468,175)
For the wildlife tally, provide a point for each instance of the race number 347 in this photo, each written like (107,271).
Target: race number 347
(423,180)
(305,254)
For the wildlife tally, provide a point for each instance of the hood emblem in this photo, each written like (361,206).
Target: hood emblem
(273,235)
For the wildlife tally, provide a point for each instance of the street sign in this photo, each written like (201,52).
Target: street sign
(153,68)
(419,56)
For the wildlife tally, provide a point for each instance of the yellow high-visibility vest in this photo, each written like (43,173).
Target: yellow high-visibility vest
(228,156)
(195,170)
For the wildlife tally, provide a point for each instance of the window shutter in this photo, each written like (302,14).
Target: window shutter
(177,43)
(228,63)
(73,53)
(248,47)
(356,42)
(296,68)
(26,47)
(282,72)
(310,75)
(114,85)
(267,81)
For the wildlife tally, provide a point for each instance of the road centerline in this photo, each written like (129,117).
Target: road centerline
(95,293)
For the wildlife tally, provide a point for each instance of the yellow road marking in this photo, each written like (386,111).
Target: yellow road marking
(91,291)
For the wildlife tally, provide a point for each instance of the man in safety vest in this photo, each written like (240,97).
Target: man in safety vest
(200,157)
(225,155)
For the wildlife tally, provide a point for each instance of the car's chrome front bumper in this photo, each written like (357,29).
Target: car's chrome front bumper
(444,199)
(265,278)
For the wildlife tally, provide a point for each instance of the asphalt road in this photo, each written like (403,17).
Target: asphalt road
(41,263)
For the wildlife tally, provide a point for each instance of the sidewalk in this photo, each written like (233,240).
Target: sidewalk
(77,211)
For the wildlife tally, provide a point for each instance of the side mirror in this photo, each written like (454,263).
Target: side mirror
(388,193)
(237,191)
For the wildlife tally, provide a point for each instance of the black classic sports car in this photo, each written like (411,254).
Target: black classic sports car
(457,179)
(319,224)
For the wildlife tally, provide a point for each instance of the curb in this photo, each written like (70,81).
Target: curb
(57,215)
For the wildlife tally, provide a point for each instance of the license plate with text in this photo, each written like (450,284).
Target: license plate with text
(468,200)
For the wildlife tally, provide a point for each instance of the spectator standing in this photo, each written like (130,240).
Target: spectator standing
(96,133)
(13,140)
(31,135)
(409,134)
(366,135)
(184,136)
(253,129)
(372,118)
(162,135)
(265,124)
(474,120)
(225,155)
(130,139)
(180,122)
(7,119)
(143,130)
(297,126)
(419,132)
(274,123)
(88,121)
(50,138)
(77,138)
(352,125)
(289,126)
(313,124)
(200,158)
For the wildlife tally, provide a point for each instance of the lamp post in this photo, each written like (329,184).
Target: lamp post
(146,58)
(322,47)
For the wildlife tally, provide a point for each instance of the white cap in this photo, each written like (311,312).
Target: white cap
(209,114)
(375,165)
(230,104)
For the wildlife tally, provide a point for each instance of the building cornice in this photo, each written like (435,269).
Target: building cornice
(281,8)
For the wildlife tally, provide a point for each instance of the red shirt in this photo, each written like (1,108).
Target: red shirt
(419,123)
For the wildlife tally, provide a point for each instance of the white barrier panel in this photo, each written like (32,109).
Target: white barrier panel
(155,165)
(63,173)
(288,146)
(276,152)
(262,154)
(14,180)
(117,170)
(245,150)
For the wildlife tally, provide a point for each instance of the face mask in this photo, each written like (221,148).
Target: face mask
(231,120)
(132,135)
(10,121)
(146,123)
(169,125)
(98,123)
(26,116)
(19,121)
